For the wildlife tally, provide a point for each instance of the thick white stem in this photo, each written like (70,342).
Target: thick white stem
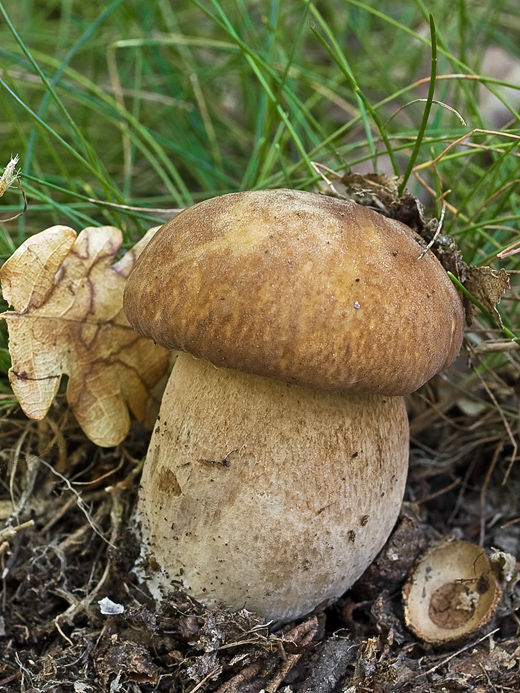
(269,496)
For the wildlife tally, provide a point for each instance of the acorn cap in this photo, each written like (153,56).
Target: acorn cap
(300,287)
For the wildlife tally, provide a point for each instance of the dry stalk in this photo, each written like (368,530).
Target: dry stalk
(9,533)
(79,499)
(78,606)
(237,682)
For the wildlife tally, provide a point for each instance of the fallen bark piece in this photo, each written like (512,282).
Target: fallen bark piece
(331,661)
(68,319)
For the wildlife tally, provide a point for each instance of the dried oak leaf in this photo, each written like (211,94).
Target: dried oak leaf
(68,319)
(488,286)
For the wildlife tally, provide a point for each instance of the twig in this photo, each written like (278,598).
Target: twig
(506,425)
(235,684)
(300,636)
(495,346)
(441,491)
(206,678)
(497,192)
(57,439)
(77,536)
(511,522)
(65,637)
(460,140)
(58,515)
(436,234)
(28,482)
(490,683)
(25,204)
(79,499)
(83,604)
(484,488)
(9,533)
(432,192)
(454,654)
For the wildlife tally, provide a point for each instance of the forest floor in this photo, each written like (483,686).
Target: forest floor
(74,548)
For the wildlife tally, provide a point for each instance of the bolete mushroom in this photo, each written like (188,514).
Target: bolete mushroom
(278,463)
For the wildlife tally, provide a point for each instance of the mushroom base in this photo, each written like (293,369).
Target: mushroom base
(269,496)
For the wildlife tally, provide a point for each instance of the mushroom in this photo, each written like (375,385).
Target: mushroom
(277,465)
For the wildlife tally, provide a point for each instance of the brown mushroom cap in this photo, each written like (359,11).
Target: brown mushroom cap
(300,287)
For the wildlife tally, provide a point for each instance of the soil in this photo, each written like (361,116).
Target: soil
(74,617)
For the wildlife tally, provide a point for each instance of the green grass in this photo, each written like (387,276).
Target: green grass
(159,105)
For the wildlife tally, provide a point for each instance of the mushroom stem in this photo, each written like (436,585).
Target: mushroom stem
(269,496)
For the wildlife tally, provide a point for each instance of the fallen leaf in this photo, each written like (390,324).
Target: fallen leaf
(487,285)
(380,189)
(68,319)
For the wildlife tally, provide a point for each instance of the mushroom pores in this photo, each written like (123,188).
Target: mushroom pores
(277,466)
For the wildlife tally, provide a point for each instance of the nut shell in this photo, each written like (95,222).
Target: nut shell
(451,594)
(300,287)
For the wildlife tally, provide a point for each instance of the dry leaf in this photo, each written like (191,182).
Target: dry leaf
(487,285)
(68,319)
